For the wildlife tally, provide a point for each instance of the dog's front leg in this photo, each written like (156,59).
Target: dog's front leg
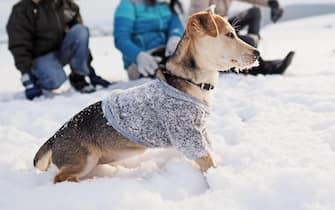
(205,163)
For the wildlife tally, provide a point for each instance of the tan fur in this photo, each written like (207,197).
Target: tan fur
(204,50)
(206,41)
(205,163)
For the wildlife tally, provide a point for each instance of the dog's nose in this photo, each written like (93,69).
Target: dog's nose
(256,53)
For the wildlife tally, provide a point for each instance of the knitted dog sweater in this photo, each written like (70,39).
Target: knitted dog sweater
(158,115)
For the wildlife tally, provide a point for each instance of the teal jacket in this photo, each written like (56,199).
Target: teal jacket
(139,27)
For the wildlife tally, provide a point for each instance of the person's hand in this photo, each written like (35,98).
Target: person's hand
(171,45)
(276,11)
(147,64)
(31,90)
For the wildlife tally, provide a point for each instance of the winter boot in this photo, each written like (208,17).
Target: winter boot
(80,84)
(97,80)
(272,67)
(94,78)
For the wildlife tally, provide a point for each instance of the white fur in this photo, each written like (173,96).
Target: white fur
(44,162)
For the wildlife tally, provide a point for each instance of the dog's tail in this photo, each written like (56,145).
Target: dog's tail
(42,158)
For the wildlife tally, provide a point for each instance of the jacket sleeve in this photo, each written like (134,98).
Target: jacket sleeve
(175,26)
(257,2)
(20,38)
(123,29)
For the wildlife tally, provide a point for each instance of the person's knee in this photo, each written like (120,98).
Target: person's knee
(52,82)
(80,31)
(255,13)
(249,40)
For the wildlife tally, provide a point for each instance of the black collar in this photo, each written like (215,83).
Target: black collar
(167,74)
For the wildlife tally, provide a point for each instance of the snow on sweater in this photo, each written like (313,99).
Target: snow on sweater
(158,115)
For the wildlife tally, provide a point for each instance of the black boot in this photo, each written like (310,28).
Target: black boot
(97,80)
(272,67)
(80,84)
(94,78)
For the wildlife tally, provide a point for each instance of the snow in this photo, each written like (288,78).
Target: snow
(273,138)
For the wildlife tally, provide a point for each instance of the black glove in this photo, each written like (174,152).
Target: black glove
(276,11)
(31,90)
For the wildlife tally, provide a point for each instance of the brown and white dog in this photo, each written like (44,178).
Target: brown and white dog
(210,44)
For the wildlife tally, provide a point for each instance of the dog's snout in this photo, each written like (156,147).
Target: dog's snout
(256,53)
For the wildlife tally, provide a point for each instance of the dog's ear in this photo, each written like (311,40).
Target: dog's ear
(203,23)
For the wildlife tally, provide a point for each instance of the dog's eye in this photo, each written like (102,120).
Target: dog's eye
(230,35)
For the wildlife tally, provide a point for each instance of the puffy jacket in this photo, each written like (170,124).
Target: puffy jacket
(139,27)
(37,27)
(222,6)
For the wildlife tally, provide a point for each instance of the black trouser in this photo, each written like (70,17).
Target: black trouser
(250,18)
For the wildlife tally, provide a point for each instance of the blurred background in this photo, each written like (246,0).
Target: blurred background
(98,15)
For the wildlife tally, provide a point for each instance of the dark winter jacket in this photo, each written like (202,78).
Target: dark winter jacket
(37,27)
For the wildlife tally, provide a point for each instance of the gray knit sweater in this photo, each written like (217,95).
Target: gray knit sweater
(158,115)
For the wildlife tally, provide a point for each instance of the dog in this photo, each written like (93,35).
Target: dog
(118,127)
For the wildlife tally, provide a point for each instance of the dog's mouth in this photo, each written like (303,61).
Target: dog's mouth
(247,61)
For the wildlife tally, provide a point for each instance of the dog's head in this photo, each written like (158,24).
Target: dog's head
(216,44)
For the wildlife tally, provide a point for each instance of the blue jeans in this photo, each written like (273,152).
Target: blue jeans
(48,69)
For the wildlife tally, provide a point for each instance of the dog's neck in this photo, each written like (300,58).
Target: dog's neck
(184,64)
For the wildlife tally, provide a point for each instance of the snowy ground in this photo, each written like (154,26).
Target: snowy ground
(274,138)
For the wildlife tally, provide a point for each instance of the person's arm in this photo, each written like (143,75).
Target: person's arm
(20,38)
(123,29)
(175,27)
(175,32)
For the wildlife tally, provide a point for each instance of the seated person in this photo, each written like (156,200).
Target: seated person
(142,27)
(44,36)
(251,19)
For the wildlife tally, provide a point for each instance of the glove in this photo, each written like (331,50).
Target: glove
(276,11)
(147,64)
(172,45)
(31,90)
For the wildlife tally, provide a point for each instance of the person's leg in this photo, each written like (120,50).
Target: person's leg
(249,40)
(272,67)
(133,73)
(250,18)
(74,49)
(48,72)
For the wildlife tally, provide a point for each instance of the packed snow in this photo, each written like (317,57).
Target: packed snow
(273,138)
